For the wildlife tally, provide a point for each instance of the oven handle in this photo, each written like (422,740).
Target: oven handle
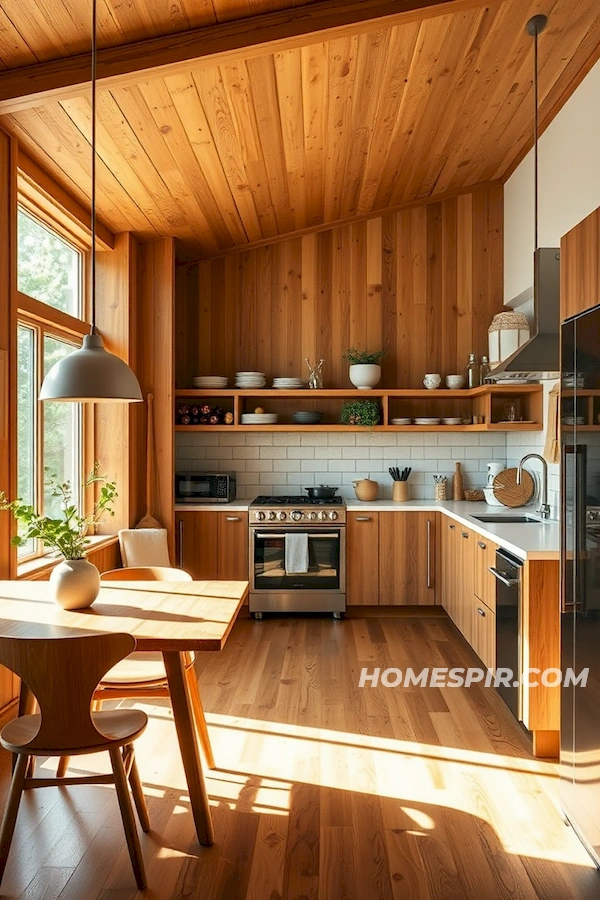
(509,582)
(311,536)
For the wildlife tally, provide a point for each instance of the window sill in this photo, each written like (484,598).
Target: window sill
(37,568)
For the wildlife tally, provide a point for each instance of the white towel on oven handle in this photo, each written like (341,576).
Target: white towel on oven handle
(296,553)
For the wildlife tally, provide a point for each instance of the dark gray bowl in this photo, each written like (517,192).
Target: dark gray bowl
(307,418)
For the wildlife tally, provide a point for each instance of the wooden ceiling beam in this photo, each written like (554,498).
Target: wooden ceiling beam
(238,39)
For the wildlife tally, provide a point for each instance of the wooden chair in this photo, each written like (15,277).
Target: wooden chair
(143,674)
(62,674)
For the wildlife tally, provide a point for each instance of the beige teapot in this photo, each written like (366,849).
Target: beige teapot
(365,489)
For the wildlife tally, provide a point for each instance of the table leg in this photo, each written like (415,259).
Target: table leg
(188,744)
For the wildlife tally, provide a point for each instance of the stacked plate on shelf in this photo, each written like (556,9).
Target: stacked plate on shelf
(403,420)
(210,382)
(427,420)
(288,384)
(249,380)
(259,418)
(452,420)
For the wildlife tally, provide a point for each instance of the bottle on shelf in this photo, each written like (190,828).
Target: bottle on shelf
(484,369)
(472,372)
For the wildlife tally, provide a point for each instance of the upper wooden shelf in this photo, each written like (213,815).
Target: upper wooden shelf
(485,407)
(396,393)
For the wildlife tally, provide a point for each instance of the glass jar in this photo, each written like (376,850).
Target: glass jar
(484,369)
(472,376)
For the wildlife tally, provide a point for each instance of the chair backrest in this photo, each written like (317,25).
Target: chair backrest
(146,573)
(63,674)
(144,547)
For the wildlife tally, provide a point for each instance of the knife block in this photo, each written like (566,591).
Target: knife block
(400,491)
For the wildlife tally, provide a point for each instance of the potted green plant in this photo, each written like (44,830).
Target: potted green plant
(361,412)
(75,581)
(365,371)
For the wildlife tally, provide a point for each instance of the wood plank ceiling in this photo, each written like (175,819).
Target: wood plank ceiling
(230,154)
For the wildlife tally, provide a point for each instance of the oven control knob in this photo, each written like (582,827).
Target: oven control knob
(260,516)
(322,515)
(333,515)
(281,516)
(311,515)
(271,515)
(296,515)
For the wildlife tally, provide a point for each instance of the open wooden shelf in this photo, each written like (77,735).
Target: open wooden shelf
(484,402)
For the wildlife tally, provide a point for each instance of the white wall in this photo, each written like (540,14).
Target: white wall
(569,158)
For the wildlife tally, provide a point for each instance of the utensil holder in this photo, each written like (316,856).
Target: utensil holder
(400,491)
(440,491)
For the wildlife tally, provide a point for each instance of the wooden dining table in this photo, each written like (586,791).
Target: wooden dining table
(172,617)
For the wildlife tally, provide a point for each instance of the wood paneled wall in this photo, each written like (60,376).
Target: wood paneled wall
(153,353)
(580,267)
(423,284)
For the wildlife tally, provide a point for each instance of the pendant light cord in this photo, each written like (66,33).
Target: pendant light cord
(93,191)
(536,186)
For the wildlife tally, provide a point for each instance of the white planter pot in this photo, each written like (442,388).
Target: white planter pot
(75,583)
(365,377)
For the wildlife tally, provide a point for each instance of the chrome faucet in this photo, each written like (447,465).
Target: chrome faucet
(544,509)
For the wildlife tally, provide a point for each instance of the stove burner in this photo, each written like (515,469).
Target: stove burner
(296,500)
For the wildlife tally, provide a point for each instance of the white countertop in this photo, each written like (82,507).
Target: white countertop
(527,541)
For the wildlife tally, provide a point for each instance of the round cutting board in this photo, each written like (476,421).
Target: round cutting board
(508,492)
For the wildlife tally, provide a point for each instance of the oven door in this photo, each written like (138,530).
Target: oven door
(325,561)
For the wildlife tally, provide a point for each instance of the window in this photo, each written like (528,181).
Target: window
(49,435)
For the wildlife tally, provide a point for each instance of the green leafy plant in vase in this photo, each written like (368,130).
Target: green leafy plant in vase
(75,581)
(361,412)
(365,371)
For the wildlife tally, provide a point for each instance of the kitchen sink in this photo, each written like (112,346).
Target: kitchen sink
(522,519)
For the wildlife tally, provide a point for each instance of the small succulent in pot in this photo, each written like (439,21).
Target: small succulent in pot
(361,412)
(364,357)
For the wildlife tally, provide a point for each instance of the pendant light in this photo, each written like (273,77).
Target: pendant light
(92,374)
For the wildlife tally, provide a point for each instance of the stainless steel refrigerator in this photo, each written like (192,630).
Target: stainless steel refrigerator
(580,574)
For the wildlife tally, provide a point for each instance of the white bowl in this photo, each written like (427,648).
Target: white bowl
(454,382)
(432,381)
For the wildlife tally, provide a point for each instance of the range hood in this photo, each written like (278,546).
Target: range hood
(541,354)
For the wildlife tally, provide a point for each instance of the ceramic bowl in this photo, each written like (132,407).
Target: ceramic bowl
(454,382)
(432,381)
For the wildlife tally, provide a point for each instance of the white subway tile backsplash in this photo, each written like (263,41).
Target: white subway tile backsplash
(285,463)
(301,452)
(273,452)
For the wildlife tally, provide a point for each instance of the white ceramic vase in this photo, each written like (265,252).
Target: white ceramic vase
(365,377)
(75,583)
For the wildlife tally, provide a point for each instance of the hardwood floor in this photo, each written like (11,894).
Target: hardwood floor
(324,791)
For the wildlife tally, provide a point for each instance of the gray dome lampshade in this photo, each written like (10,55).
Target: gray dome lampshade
(91,374)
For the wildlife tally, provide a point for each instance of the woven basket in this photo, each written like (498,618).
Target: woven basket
(475,494)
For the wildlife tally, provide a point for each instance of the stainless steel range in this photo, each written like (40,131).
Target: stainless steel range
(297,555)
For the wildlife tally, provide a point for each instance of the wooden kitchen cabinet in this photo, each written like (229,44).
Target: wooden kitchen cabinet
(450,536)
(465,582)
(485,583)
(213,545)
(362,559)
(484,634)
(407,558)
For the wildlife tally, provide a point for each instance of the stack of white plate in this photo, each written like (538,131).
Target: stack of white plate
(259,418)
(212,382)
(403,420)
(288,384)
(249,380)
(452,420)
(427,420)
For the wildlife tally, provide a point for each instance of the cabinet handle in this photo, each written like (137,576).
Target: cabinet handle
(363,518)
(481,544)
(480,611)
(465,534)
(180,537)
(233,518)
(428,553)
(451,527)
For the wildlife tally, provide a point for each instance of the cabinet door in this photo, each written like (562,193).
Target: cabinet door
(197,543)
(233,546)
(484,636)
(485,583)
(362,559)
(465,583)
(450,547)
(406,558)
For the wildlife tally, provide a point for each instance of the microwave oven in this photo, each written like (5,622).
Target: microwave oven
(197,487)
